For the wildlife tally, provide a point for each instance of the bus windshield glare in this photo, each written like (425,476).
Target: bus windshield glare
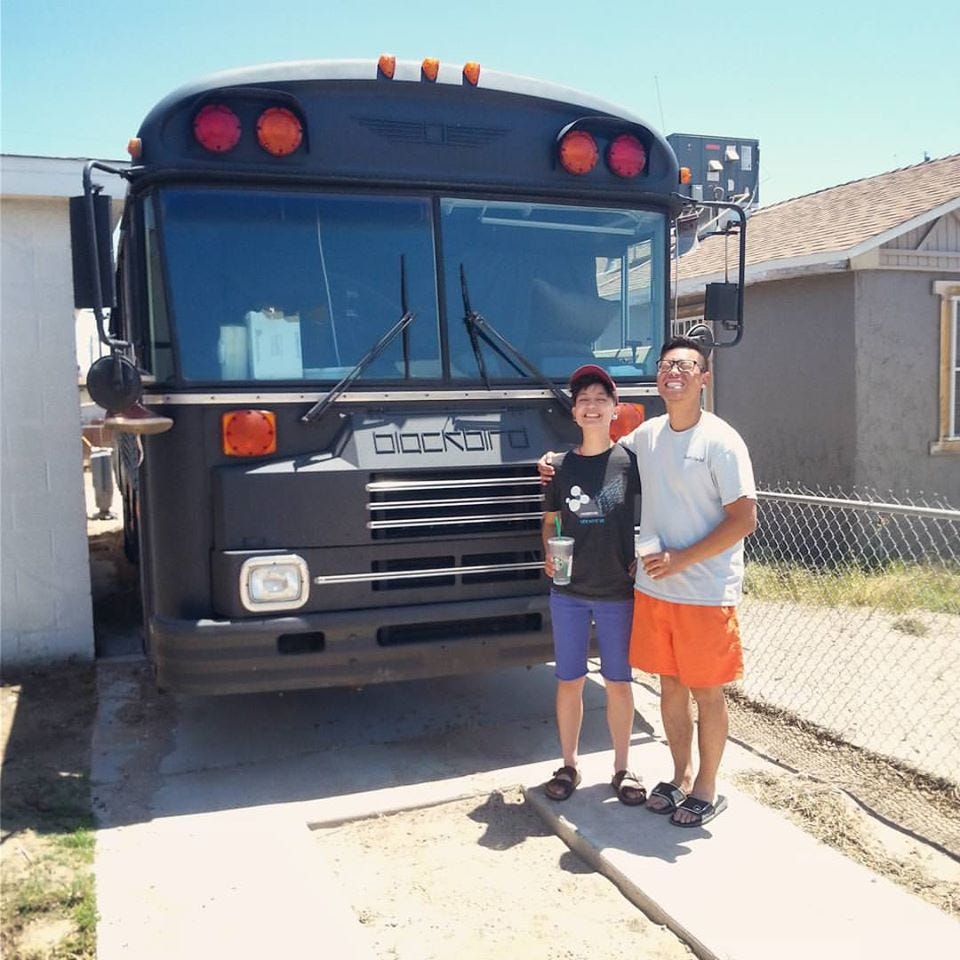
(293,286)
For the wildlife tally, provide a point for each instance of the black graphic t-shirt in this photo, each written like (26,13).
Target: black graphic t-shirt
(599,504)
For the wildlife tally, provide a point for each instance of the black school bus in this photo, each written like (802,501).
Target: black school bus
(349,295)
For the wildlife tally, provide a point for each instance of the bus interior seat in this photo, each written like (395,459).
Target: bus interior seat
(564,325)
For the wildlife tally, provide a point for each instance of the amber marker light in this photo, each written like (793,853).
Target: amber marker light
(430,68)
(248,433)
(686,176)
(135,148)
(629,416)
(471,72)
(387,65)
(217,128)
(578,152)
(279,131)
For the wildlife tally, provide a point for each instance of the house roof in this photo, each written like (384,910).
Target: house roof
(834,224)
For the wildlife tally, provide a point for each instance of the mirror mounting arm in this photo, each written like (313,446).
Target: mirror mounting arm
(90,190)
(721,292)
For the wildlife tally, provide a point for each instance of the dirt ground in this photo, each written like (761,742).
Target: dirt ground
(46,840)
(484,878)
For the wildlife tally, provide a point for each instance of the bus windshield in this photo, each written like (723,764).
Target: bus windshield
(564,284)
(295,286)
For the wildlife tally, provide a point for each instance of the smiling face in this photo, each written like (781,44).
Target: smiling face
(593,408)
(679,386)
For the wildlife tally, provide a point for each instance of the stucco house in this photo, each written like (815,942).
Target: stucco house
(848,374)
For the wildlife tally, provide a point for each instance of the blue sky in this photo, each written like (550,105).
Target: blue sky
(834,91)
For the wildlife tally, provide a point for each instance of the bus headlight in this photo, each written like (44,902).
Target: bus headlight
(276,582)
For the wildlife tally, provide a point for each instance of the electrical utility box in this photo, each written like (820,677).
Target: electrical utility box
(722,168)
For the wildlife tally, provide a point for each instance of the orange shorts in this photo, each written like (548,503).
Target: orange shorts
(698,645)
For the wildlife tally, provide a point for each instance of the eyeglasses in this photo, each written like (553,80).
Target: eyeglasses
(684,366)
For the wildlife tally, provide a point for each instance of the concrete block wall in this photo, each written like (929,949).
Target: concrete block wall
(45,603)
(46,610)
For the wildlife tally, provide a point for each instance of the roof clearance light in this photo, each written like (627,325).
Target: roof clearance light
(135,148)
(686,175)
(626,156)
(249,433)
(217,128)
(387,65)
(578,152)
(471,72)
(430,68)
(279,131)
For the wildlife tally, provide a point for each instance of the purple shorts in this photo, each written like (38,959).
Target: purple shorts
(572,617)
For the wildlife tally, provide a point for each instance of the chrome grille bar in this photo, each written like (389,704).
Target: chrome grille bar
(385,486)
(451,521)
(460,502)
(420,574)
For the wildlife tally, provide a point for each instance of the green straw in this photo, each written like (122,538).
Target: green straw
(556,520)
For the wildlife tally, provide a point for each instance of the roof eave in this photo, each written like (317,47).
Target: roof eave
(832,261)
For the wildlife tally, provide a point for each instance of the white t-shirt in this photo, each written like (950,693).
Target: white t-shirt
(686,477)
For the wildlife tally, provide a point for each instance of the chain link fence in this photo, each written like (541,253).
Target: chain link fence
(851,631)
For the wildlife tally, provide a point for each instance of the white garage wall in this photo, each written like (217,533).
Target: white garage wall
(45,608)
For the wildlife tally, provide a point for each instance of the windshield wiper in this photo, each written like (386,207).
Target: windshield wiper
(399,327)
(478,328)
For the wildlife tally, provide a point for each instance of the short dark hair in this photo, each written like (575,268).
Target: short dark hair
(687,343)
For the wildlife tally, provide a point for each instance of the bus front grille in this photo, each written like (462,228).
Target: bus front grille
(452,504)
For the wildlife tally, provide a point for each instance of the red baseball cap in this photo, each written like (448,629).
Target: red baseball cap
(592,370)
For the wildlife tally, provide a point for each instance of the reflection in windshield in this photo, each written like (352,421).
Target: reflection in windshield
(288,286)
(551,280)
(279,286)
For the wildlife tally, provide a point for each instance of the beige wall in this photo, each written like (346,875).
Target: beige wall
(789,386)
(898,360)
(45,608)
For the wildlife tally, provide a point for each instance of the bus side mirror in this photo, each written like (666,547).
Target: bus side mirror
(91,244)
(721,304)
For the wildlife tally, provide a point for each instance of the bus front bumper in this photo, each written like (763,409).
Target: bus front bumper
(348,647)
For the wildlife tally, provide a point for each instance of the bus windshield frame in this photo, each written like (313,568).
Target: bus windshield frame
(296,283)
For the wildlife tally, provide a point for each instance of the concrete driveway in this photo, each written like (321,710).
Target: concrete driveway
(205,805)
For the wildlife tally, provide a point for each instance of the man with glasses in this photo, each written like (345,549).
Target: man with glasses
(698,502)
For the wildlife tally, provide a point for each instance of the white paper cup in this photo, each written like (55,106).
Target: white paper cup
(644,546)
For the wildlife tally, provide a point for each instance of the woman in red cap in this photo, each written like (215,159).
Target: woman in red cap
(593,498)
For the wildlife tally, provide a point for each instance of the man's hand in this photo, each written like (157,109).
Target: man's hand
(663,564)
(545,468)
(739,521)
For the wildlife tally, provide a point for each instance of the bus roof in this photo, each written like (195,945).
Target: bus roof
(406,71)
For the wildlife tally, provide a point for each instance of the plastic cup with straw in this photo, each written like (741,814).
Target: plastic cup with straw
(561,551)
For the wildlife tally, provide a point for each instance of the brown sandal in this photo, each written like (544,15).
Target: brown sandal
(623,786)
(562,784)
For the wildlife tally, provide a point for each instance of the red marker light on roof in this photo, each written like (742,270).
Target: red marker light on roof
(626,156)
(430,68)
(279,131)
(217,128)
(578,152)
(387,65)
(471,72)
